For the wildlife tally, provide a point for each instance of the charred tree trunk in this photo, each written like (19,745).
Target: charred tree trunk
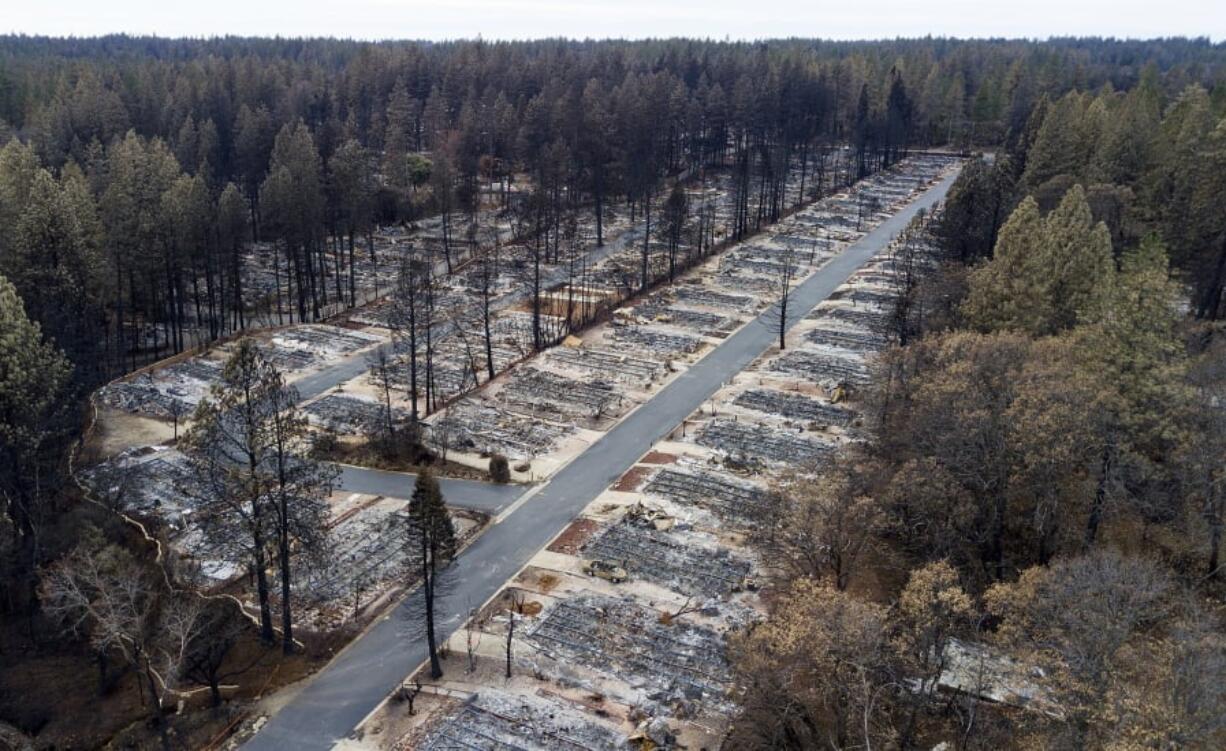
(1099,504)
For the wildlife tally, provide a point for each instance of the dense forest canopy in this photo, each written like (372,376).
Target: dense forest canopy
(146,151)
(153,85)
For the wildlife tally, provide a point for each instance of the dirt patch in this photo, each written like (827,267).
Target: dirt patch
(395,727)
(573,538)
(117,430)
(633,479)
(658,457)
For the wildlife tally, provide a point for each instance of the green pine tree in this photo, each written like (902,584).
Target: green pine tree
(1007,293)
(34,382)
(1078,267)
(1047,274)
(432,545)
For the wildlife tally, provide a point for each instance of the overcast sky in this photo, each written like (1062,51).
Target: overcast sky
(524,19)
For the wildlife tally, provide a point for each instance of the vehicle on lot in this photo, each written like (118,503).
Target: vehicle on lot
(605,570)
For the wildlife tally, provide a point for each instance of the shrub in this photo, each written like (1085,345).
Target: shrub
(500,470)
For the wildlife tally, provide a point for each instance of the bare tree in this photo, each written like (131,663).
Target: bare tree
(907,263)
(786,276)
(101,593)
(209,657)
(486,265)
(383,377)
(531,230)
(408,693)
(427,321)
(515,611)
(180,627)
(462,324)
(177,409)
(407,319)
(472,639)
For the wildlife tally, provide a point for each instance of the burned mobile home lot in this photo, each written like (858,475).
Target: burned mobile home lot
(644,658)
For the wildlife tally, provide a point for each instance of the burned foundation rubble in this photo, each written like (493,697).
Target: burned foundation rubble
(731,499)
(169,393)
(329,342)
(379,314)
(765,288)
(460,356)
(706,324)
(351,415)
(299,348)
(451,373)
(473,280)
(821,368)
(648,339)
(146,481)
(288,359)
(157,487)
(477,426)
(874,277)
(450,379)
(368,550)
(550,392)
(513,329)
(468,348)
(833,225)
(677,668)
(800,238)
(861,341)
(141,396)
(739,263)
(741,442)
(794,406)
(499,721)
(660,557)
(703,296)
(877,297)
(609,364)
(867,318)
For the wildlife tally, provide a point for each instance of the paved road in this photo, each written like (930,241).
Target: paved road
(482,496)
(342,694)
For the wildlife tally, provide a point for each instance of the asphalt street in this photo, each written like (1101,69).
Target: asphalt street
(480,496)
(354,683)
